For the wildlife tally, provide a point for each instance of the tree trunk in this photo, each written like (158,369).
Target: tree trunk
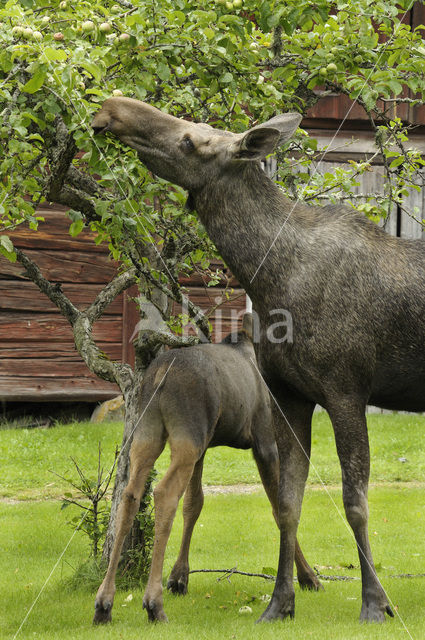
(132,415)
(135,538)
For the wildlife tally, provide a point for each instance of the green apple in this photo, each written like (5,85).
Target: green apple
(105,27)
(18,31)
(124,37)
(37,35)
(117,93)
(87,26)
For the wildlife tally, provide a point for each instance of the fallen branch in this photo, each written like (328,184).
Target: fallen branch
(229,572)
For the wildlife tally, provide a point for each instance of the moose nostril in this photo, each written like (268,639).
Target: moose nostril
(98,129)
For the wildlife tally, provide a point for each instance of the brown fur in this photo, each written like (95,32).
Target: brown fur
(211,396)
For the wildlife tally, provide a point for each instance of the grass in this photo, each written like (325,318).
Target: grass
(29,456)
(33,534)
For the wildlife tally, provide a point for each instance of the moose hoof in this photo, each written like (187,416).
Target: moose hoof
(178,587)
(155,612)
(277,612)
(102,613)
(310,583)
(373,612)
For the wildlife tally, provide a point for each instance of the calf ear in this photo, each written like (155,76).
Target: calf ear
(260,141)
(247,323)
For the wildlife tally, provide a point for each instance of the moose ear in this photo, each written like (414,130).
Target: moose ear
(263,139)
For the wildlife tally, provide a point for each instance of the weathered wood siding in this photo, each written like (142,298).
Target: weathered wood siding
(225,318)
(38,359)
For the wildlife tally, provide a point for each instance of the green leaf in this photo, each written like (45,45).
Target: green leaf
(226,78)
(395,86)
(209,33)
(54,55)
(397,162)
(270,571)
(93,69)
(36,82)
(6,242)
(7,248)
(76,228)
(163,71)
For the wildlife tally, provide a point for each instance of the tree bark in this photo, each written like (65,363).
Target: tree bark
(133,412)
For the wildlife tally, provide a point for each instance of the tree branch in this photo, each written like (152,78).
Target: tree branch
(61,154)
(53,292)
(113,289)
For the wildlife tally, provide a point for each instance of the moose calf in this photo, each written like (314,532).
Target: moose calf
(197,397)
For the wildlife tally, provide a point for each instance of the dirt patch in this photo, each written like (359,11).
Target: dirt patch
(232,488)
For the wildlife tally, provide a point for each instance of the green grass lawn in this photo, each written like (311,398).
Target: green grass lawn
(33,534)
(29,456)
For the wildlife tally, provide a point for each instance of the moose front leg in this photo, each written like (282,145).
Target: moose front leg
(192,507)
(267,460)
(352,442)
(292,425)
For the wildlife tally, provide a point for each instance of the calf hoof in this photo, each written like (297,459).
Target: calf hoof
(102,612)
(155,611)
(373,612)
(310,583)
(178,586)
(277,611)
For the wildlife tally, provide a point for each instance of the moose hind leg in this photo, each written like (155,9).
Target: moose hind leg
(142,459)
(192,507)
(349,423)
(167,495)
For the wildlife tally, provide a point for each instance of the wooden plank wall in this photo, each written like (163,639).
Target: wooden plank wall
(38,359)
(228,316)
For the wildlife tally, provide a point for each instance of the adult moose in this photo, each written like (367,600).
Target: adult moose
(228,405)
(356,295)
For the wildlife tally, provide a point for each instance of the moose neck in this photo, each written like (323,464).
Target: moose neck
(251,223)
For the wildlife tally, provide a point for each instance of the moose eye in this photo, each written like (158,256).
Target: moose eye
(187,144)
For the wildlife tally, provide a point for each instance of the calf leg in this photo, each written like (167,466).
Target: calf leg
(292,424)
(267,459)
(349,423)
(167,494)
(142,458)
(192,507)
